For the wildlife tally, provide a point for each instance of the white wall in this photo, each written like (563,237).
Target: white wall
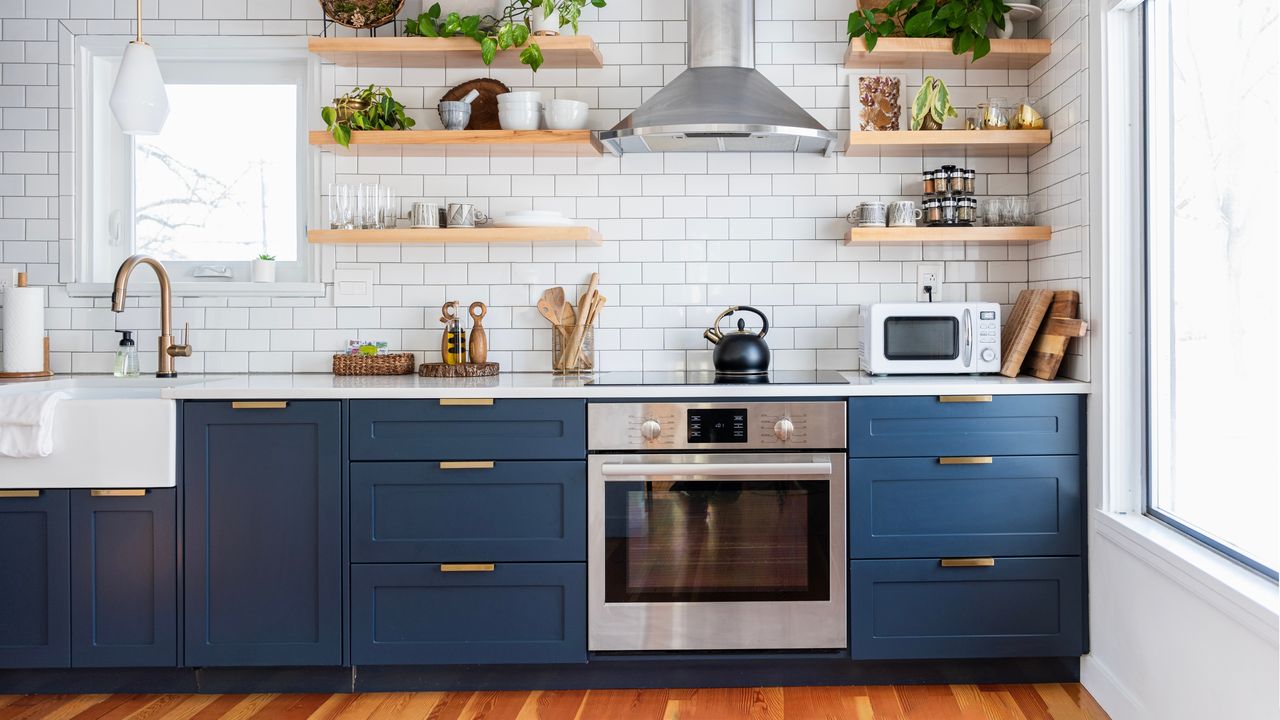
(686,235)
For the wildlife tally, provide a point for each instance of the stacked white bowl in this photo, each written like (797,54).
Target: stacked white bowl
(520,110)
(566,115)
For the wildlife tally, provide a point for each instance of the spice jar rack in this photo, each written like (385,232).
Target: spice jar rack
(948,197)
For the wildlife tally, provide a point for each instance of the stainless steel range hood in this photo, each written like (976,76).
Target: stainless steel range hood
(721,103)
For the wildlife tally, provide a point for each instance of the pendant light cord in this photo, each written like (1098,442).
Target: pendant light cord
(139,20)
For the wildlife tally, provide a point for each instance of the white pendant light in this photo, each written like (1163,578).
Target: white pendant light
(139,100)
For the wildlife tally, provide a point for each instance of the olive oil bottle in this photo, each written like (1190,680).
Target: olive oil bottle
(453,343)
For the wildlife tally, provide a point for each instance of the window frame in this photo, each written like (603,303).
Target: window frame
(300,278)
(1153,312)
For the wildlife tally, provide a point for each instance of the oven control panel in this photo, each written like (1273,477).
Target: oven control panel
(710,426)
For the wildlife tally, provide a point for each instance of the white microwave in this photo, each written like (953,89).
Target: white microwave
(930,338)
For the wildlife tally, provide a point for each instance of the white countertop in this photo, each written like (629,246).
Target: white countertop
(547,385)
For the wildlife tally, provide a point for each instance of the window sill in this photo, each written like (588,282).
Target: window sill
(205,289)
(1247,597)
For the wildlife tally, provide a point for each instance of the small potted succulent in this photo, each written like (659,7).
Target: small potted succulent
(932,105)
(264,268)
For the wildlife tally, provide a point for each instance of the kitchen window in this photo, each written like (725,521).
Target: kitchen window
(225,181)
(1211,257)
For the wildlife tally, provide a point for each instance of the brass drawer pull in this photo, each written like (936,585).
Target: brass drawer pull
(967,562)
(468,567)
(138,492)
(259,405)
(964,398)
(965,460)
(465,402)
(19,493)
(468,465)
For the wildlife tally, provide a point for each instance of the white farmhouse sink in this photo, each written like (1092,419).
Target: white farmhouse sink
(108,433)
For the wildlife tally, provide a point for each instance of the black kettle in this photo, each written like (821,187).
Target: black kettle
(740,352)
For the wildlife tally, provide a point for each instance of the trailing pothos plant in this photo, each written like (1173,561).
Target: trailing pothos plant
(964,21)
(503,32)
(368,108)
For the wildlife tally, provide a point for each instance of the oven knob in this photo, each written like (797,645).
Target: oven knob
(988,355)
(784,429)
(650,429)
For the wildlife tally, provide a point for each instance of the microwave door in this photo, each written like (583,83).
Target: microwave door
(922,338)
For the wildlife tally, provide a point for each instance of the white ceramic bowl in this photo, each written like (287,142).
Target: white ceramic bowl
(567,115)
(519,118)
(520,97)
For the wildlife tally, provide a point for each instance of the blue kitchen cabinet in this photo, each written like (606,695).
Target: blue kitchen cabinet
(1012,607)
(263,533)
(35,569)
(124,602)
(469,614)
(921,507)
(946,425)
(469,512)
(468,429)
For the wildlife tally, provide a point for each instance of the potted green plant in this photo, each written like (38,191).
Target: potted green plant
(932,105)
(369,108)
(963,21)
(510,28)
(264,268)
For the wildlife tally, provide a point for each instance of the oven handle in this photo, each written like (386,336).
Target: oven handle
(715,469)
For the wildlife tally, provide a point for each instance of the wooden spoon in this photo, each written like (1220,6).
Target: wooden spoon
(547,311)
(554,299)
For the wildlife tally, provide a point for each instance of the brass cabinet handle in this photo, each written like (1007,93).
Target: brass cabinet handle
(468,567)
(465,402)
(133,492)
(985,460)
(964,398)
(468,465)
(19,493)
(259,405)
(967,562)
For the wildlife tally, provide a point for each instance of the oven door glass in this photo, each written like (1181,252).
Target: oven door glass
(717,540)
(921,338)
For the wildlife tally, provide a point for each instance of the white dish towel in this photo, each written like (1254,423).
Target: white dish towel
(26,424)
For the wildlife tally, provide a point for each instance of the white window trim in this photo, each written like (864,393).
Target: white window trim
(1117,405)
(318,263)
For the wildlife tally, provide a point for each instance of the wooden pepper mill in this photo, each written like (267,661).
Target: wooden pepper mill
(479,338)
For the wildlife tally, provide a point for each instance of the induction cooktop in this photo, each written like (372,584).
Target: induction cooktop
(709,377)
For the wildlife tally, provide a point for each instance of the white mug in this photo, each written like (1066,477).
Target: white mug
(465,215)
(904,214)
(872,214)
(424,215)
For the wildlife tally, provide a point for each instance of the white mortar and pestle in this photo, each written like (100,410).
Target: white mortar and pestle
(455,114)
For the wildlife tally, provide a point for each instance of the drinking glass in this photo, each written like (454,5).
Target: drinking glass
(389,206)
(368,206)
(1019,211)
(343,206)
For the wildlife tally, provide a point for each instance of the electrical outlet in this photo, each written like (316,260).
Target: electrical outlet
(929,274)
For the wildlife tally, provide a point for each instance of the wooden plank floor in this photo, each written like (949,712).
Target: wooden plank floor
(931,702)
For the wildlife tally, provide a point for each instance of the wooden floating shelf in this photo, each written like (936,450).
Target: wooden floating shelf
(577,235)
(1017,143)
(880,235)
(919,53)
(464,142)
(564,51)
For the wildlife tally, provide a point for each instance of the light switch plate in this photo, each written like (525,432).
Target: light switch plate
(353,287)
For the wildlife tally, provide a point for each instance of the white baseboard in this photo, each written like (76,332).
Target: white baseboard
(1110,693)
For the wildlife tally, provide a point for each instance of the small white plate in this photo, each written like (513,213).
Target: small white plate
(1024,12)
(527,221)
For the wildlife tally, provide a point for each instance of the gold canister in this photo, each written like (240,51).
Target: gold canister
(1026,117)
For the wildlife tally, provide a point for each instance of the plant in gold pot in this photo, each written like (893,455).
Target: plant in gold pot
(932,105)
(369,108)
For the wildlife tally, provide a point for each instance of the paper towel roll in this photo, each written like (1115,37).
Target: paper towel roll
(24,329)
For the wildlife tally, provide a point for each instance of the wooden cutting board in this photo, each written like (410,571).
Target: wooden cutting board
(1060,325)
(1020,330)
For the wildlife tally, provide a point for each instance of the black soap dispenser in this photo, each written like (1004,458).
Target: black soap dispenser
(126,356)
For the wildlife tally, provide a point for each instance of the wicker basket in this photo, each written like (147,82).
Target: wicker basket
(392,364)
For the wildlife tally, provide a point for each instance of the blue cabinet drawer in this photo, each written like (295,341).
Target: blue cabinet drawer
(919,609)
(919,507)
(490,430)
(965,425)
(468,511)
(448,614)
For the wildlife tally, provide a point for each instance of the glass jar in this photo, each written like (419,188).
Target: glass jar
(955,181)
(970,181)
(943,179)
(949,209)
(932,211)
(928,178)
(585,362)
(966,210)
(996,115)
(1026,117)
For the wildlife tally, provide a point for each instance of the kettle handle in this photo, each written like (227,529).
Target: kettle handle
(763,331)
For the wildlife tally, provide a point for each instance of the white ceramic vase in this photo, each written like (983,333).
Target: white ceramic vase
(545,25)
(264,271)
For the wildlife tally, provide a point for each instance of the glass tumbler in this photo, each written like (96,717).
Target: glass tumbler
(1020,211)
(389,207)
